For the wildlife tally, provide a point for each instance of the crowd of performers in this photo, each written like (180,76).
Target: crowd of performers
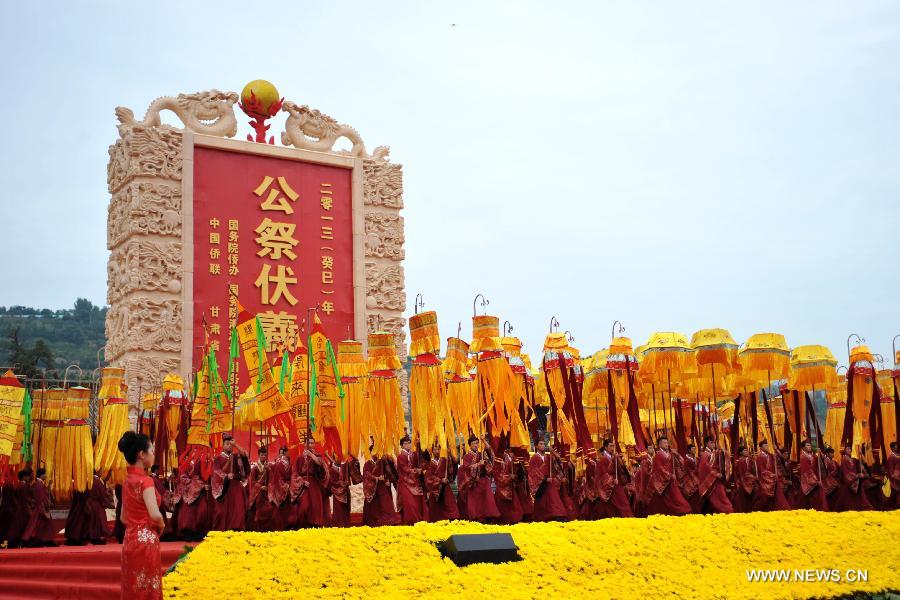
(229,492)
(338,427)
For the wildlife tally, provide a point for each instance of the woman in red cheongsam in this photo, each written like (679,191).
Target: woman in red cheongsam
(141,573)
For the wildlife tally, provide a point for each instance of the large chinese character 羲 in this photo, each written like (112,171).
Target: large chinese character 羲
(283,277)
(276,197)
(276,239)
(280,329)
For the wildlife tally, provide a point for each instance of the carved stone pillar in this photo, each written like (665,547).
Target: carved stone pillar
(148,272)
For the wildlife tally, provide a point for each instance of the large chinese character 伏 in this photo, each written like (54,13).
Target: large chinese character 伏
(281,279)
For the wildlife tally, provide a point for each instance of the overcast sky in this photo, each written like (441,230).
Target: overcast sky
(673,165)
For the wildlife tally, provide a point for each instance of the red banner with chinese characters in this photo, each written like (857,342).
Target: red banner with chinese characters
(278,234)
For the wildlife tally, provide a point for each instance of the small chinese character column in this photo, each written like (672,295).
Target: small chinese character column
(326,201)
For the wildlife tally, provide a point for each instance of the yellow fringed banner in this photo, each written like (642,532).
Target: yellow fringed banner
(354,374)
(74,453)
(383,389)
(113,423)
(431,416)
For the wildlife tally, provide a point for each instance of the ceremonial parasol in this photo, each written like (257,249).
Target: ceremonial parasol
(431,419)
(113,423)
(812,366)
(383,389)
(717,359)
(668,355)
(354,374)
(765,357)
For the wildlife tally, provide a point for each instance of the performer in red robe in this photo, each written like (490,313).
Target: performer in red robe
(39,532)
(522,488)
(308,485)
(378,506)
(713,463)
(410,485)
(342,474)
(100,498)
(24,507)
(438,493)
(745,482)
(77,521)
(872,484)
(769,489)
(811,493)
(506,496)
(228,476)
(260,511)
(787,475)
(195,516)
(612,477)
(831,474)
(892,472)
(851,494)
(590,502)
(160,485)
(688,480)
(566,485)
(544,484)
(8,506)
(474,483)
(279,492)
(642,483)
(663,491)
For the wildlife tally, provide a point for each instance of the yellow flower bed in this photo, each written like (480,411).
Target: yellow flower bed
(687,557)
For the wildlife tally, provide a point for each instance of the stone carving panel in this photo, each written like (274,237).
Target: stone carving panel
(144,152)
(383,184)
(144,264)
(144,208)
(385,286)
(143,323)
(384,235)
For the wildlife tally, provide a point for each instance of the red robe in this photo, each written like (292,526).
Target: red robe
(769,493)
(195,516)
(474,483)
(77,529)
(712,483)
(745,483)
(410,489)
(39,530)
(280,494)
(308,485)
(665,495)
(788,479)
(548,505)
(811,494)
(8,507)
(590,502)
(641,486)
(688,480)
(612,476)
(100,497)
(24,507)
(506,496)
(851,493)
(260,511)
(230,496)
(438,493)
(342,475)
(831,474)
(378,506)
(892,471)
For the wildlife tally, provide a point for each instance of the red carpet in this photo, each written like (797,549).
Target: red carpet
(87,572)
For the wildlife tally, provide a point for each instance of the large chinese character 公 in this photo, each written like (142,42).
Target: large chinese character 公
(276,197)
(281,279)
(276,239)
(280,329)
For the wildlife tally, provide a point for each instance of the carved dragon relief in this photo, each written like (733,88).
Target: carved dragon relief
(310,129)
(210,112)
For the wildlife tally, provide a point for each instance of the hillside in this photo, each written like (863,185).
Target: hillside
(36,339)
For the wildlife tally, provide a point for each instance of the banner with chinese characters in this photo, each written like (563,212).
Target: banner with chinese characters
(277,234)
